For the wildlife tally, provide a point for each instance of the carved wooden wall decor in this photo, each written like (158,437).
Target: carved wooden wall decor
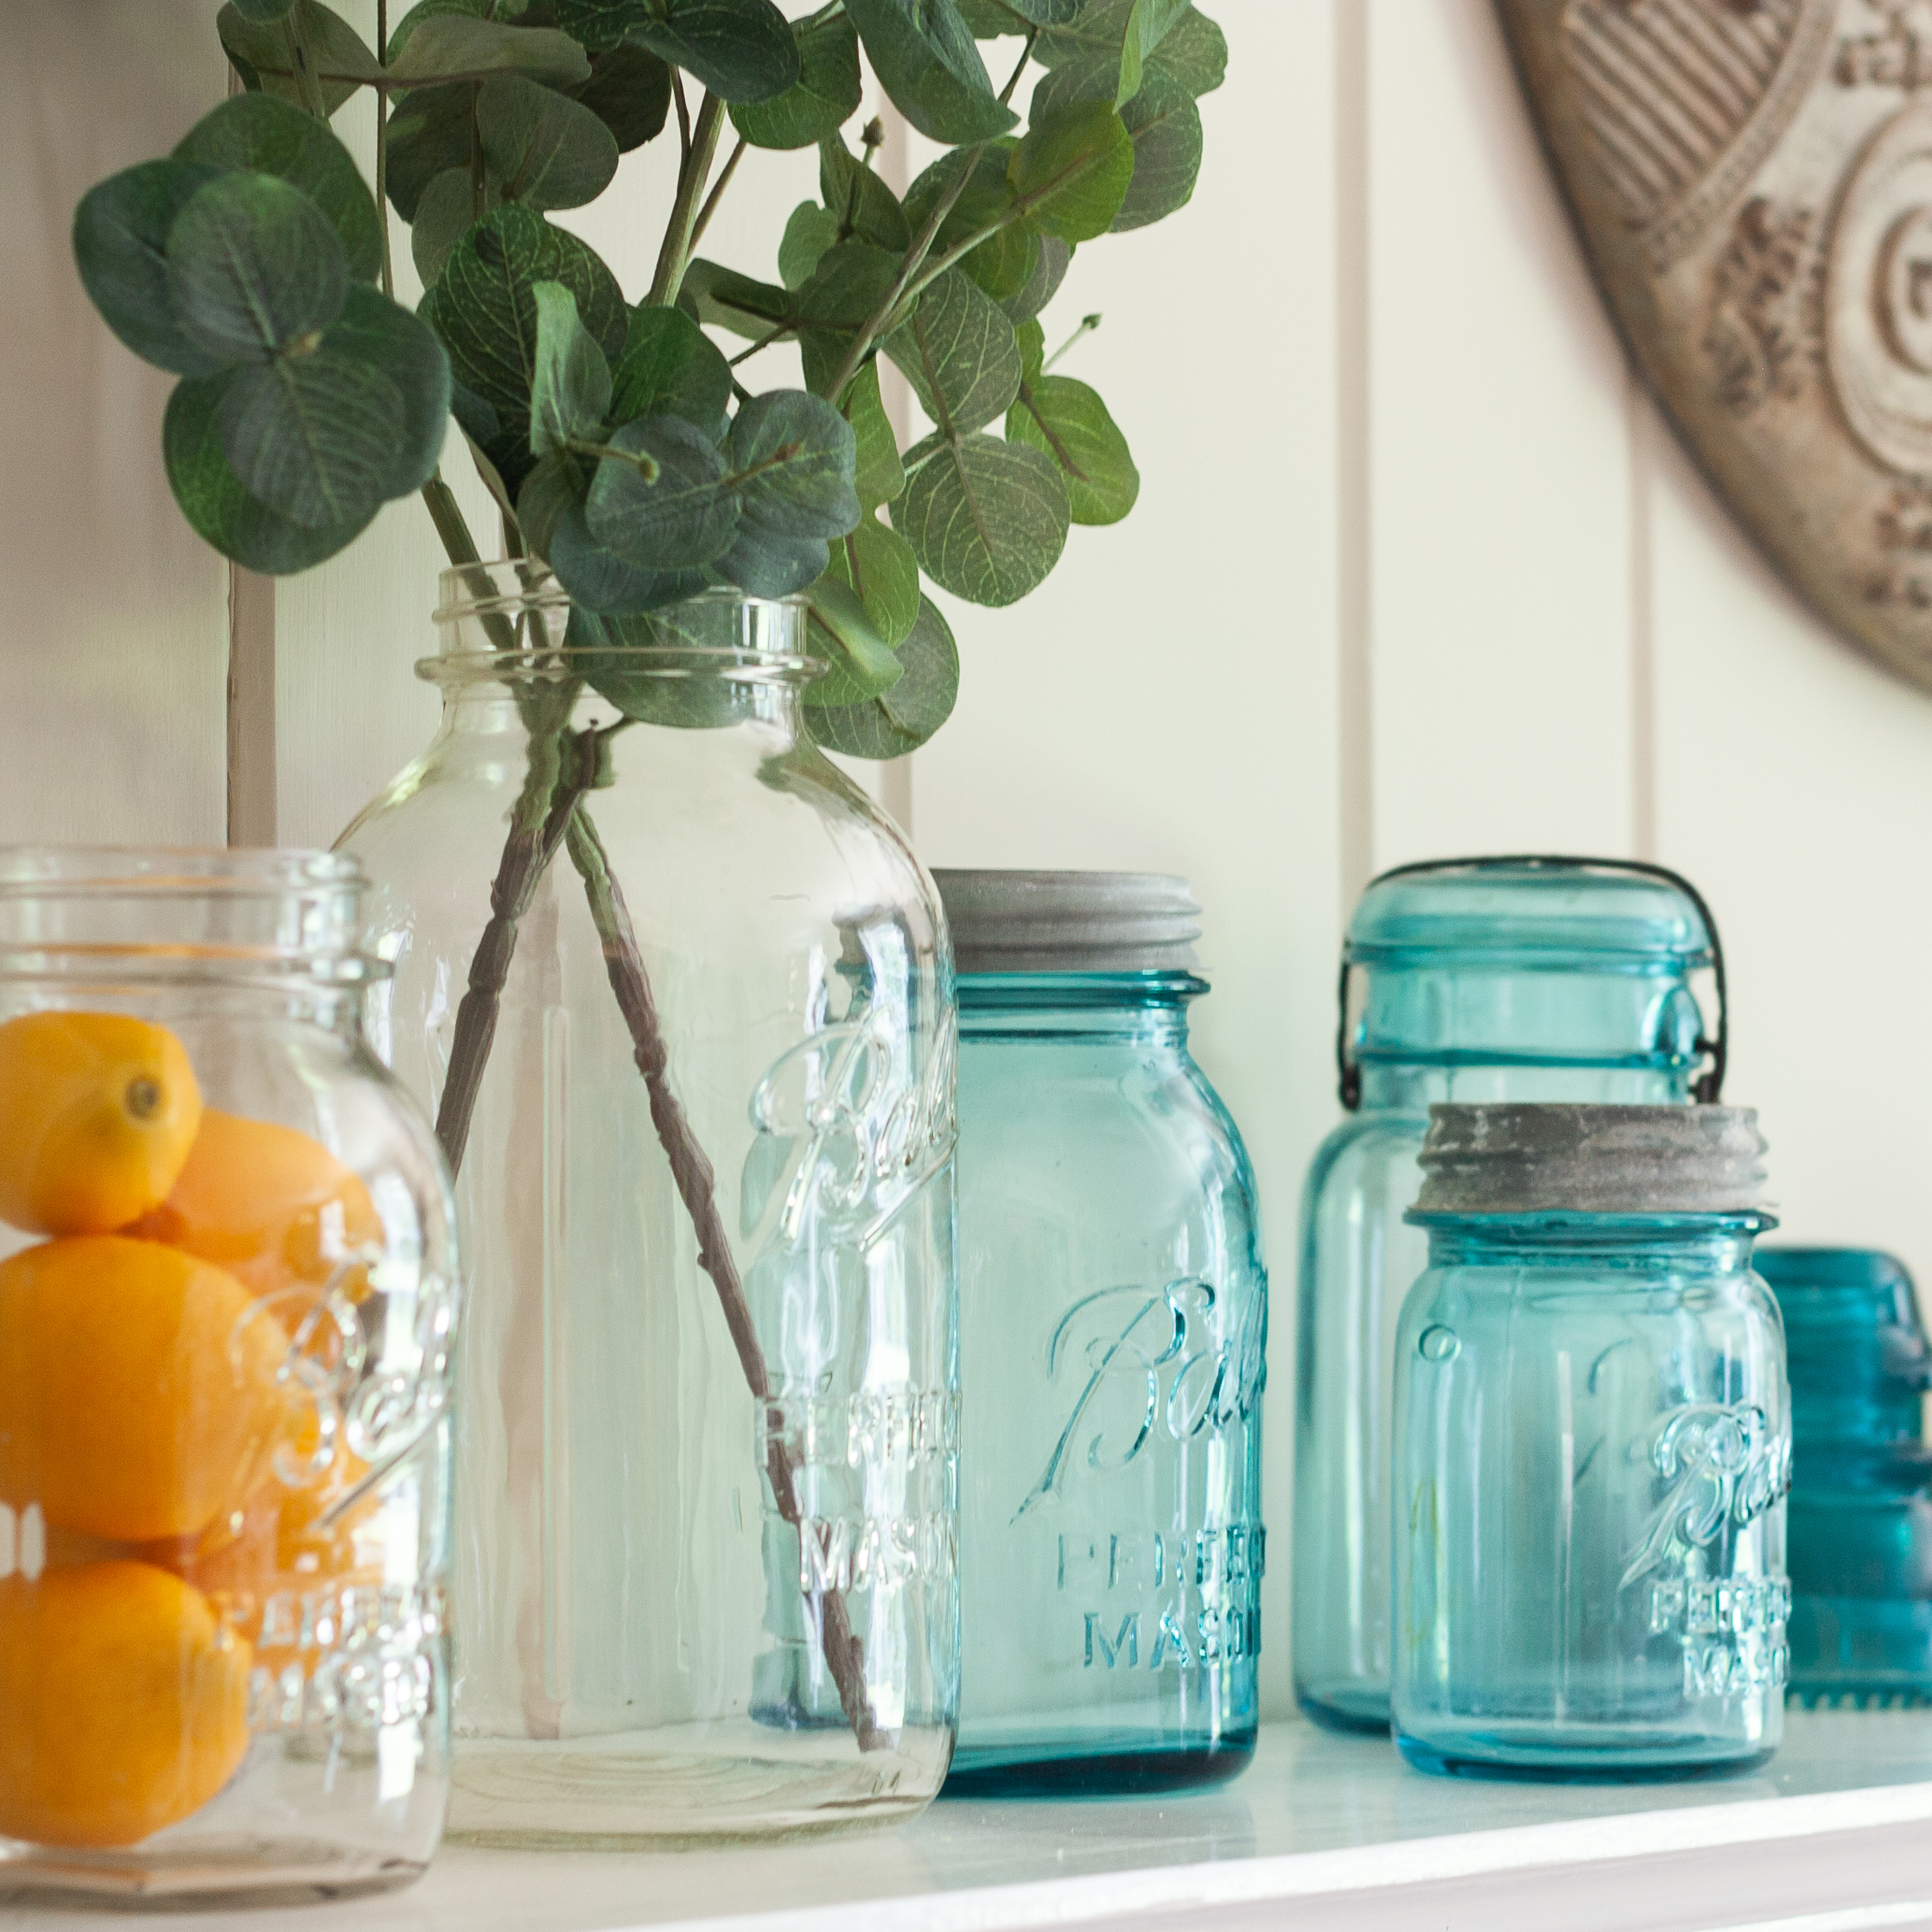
(1753,179)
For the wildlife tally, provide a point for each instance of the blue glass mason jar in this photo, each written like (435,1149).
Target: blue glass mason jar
(1475,980)
(1592,1446)
(1861,1487)
(1113,1313)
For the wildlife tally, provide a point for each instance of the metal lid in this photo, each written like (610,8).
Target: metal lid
(1551,1159)
(1070,922)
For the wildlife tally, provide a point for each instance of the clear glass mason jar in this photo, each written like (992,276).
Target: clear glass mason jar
(699,1092)
(1592,1446)
(1114,1314)
(1861,1511)
(226,1316)
(1497,980)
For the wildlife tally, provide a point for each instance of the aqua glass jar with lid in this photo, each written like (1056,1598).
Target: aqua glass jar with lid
(1526,979)
(1592,1445)
(1112,1316)
(1861,1476)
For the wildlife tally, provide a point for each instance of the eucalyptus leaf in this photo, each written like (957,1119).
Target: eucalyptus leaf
(669,365)
(629,91)
(1193,51)
(1115,38)
(1032,355)
(1068,421)
(452,47)
(906,717)
(599,580)
(726,300)
(987,519)
(260,53)
(860,662)
(675,510)
(1165,125)
(545,150)
(742,50)
(846,289)
(960,355)
(768,566)
(880,476)
(808,231)
(430,134)
(797,458)
(570,383)
(267,137)
(1073,169)
(374,329)
(823,98)
(311,436)
(1003,262)
(219,507)
(867,209)
(925,58)
(991,18)
(253,266)
(257,11)
(443,214)
(555,487)
(120,239)
(878,563)
(1049,270)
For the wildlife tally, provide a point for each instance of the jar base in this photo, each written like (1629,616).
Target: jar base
(253,1872)
(1542,1755)
(1351,1707)
(1098,1768)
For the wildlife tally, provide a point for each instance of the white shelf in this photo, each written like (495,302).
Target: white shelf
(1834,1836)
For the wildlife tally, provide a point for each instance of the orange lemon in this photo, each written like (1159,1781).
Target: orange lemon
(124,1704)
(97,1114)
(139,1396)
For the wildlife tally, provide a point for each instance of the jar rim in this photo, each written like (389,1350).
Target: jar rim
(483,664)
(475,590)
(173,871)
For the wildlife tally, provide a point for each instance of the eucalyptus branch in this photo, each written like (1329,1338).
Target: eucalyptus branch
(382,148)
(676,255)
(716,194)
(684,118)
(306,80)
(695,1180)
(1088,325)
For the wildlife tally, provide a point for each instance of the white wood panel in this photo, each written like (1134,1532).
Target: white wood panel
(1794,786)
(114,651)
(1167,701)
(1498,458)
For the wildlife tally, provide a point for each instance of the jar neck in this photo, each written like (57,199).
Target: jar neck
(1414,1086)
(1703,1243)
(1139,1009)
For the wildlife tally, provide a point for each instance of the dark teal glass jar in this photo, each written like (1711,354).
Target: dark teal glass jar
(1504,980)
(1113,1316)
(1861,1545)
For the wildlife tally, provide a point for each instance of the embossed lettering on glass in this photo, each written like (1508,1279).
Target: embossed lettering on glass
(1593,1449)
(1471,979)
(707,1560)
(1113,1316)
(226,1405)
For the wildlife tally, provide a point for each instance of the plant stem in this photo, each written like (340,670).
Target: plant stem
(676,255)
(310,87)
(696,1186)
(1088,325)
(382,147)
(716,194)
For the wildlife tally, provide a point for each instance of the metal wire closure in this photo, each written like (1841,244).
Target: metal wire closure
(1708,1085)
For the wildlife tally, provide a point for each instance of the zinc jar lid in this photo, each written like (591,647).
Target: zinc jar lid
(1070,922)
(1555,1159)
(1530,911)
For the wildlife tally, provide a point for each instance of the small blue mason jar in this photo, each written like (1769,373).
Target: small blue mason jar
(1592,1450)
(1113,1315)
(1861,1476)
(1475,980)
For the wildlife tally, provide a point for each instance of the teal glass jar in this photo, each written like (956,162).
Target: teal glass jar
(1472,980)
(1861,1490)
(1113,1315)
(1592,1446)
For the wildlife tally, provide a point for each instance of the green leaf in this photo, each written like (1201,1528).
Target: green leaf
(267,137)
(823,98)
(879,564)
(767,566)
(742,50)
(798,457)
(1113,40)
(260,53)
(570,386)
(725,298)
(910,712)
(310,435)
(629,91)
(120,239)
(1073,169)
(809,233)
(256,11)
(860,662)
(1068,421)
(880,474)
(867,209)
(1032,355)
(429,137)
(1193,51)
(1166,128)
(443,214)
(1004,261)
(924,56)
(253,266)
(484,309)
(1056,256)
(219,509)
(680,518)
(452,47)
(960,353)
(545,150)
(991,18)
(374,329)
(553,488)
(601,580)
(670,365)
(622,658)
(846,288)
(987,519)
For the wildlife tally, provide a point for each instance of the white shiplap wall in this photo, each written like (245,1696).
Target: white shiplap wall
(1414,570)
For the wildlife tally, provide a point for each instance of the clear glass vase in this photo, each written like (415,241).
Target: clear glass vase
(683,999)
(226,1319)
